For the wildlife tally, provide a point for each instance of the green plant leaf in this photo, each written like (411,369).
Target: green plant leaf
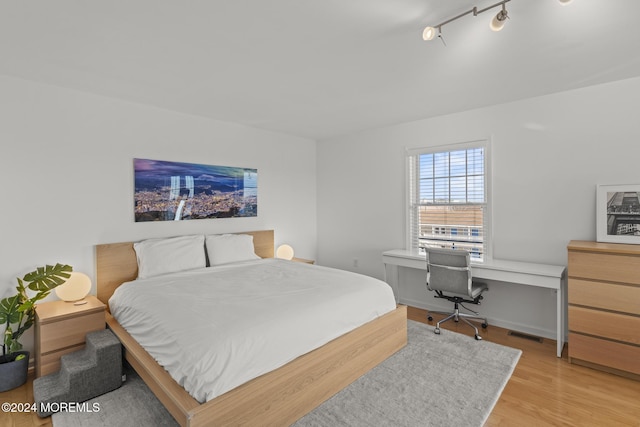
(26,305)
(19,310)
(9,310)
(14,346)
(27,325)
(46,278)
(8,337)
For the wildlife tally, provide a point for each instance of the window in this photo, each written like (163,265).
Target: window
(448,198)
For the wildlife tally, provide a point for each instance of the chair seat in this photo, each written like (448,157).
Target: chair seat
(477,288)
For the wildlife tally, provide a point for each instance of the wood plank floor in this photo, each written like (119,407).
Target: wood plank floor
(543,391)
(23,394)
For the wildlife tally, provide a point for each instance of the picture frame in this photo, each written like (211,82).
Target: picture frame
(176,191)
(618,213)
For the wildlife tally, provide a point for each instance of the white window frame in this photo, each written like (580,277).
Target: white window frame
(412,187)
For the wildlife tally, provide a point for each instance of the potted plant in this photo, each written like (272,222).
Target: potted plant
(17,314)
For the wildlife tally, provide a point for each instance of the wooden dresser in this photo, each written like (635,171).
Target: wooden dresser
(604,306)
(61,328)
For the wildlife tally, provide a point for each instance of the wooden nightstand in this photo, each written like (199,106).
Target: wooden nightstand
(308,261)
(61,328)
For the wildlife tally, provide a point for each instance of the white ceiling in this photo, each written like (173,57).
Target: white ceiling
(317,68)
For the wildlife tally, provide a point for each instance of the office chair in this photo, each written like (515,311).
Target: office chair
(449,270)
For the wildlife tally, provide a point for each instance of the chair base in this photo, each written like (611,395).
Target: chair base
(457,316)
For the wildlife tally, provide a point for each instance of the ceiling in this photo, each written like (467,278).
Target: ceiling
(317,68)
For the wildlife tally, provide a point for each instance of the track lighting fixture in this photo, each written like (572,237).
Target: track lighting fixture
(496,24)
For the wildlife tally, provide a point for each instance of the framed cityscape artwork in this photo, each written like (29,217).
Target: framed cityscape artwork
(618,213)
(172,191)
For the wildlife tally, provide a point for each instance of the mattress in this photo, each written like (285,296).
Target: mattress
(216,328)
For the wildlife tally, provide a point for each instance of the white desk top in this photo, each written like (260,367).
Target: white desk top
(526,273)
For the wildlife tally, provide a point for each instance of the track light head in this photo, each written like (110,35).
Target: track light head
(428,34)
(498,21)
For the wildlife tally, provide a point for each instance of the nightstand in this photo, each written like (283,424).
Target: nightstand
(308,261)
(61,328)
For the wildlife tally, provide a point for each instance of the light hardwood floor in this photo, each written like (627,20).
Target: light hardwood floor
(543,391)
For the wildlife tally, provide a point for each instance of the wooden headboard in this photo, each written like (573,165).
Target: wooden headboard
(116,263)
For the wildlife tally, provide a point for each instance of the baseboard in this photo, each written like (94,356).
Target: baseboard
(507,324)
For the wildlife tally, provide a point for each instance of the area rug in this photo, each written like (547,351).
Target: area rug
(436,380)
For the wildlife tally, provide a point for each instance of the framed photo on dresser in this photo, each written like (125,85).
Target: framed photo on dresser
(618,213)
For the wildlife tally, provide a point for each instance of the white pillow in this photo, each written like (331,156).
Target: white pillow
(168,255)
(226,248)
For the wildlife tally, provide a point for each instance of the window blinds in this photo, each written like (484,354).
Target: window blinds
(448,198)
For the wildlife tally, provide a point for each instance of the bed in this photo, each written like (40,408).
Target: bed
(277,397)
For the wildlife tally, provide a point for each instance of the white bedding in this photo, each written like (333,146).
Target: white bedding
(218,327)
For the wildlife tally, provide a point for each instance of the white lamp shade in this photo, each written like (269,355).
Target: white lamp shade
(496,23)
(429,33)
(284,252)
(75,288)
(564,2)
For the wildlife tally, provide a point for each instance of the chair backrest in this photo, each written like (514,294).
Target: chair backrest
(449,270)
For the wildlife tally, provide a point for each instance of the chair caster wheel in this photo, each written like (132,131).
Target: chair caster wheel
(478,338)
(484,326)
(436,331)
(429,318)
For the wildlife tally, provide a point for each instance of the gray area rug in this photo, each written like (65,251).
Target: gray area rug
(436,380)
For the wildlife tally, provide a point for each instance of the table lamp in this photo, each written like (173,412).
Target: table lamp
(284,252)
(75,288)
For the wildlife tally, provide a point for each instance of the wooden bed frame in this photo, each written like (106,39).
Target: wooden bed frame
(279,397)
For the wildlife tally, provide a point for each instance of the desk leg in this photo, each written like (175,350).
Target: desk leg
(560,320)
(392,277)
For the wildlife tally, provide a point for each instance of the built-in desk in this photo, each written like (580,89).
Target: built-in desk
(521,273)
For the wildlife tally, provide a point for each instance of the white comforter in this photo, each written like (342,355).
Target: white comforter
(216,328)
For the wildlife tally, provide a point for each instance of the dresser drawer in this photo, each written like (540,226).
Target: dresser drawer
(605,324)
(605,267)
(607,296)
(69,332)
(606,353)
(50,362)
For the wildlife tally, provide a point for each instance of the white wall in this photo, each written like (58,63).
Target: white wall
(66,168)
(548,155)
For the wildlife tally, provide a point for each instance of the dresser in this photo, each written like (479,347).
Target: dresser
(604,306)
(61,328)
